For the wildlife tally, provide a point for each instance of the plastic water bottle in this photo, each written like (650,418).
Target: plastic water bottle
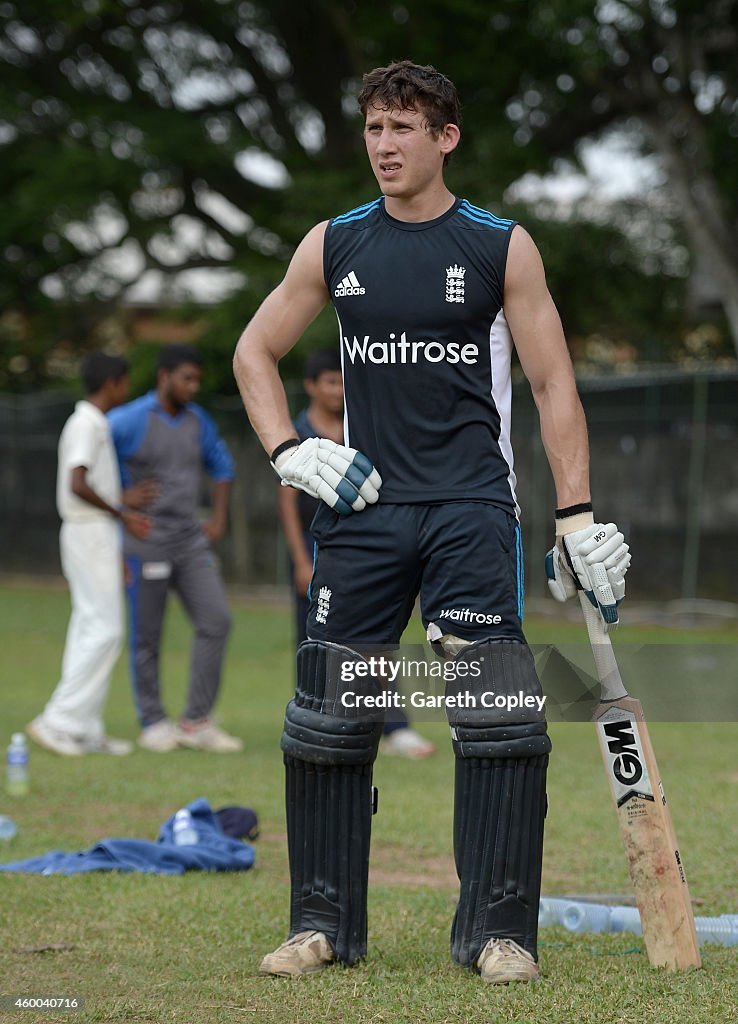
(16,766)
(8,827)
(184,832)
(722,930)
(626,919)
(586,917)
(581,916)
(550,910)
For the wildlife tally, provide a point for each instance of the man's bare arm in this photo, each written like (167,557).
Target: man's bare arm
(539,339)
(274,329)
(136,523)
(80,486)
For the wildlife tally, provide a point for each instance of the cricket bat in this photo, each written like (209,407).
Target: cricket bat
(654,862)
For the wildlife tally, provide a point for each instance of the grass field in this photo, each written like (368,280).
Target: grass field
(142,948)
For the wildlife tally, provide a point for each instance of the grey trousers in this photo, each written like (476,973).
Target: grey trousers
(189,569)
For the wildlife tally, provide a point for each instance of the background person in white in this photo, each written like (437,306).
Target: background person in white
(89,499)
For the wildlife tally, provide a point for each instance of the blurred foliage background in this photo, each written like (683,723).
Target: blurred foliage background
(159,162)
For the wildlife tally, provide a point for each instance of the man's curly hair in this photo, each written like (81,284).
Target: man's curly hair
(411,86)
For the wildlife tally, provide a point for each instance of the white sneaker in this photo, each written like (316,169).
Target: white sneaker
(503,960)
(108,745)
(406,743)
(304,953)
(52,739)
(161,737)
(55,740)
(208,736)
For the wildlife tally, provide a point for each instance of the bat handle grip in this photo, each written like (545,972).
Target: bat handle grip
(608,673)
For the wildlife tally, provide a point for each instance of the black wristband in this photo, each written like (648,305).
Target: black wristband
(293,442)
(573,510)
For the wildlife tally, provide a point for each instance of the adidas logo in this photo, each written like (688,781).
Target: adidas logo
(349,286)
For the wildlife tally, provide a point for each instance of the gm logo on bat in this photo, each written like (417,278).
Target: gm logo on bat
(627,764)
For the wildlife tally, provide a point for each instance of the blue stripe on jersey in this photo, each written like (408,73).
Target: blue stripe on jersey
(358,213)
(484,217)
(520,570)
(485,213)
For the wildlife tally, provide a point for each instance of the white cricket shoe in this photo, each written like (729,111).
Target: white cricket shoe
(503,960)
(304,953)
(55,740)
(161,737)
(208,736)
(406,742)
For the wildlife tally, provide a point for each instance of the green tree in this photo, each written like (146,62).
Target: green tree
(152,137)
(666,69)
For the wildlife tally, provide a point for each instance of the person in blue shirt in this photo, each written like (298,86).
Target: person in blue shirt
(165,437)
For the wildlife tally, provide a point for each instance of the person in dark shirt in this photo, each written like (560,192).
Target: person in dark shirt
(430,292)
(323,417)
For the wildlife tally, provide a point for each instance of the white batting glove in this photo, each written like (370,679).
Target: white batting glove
(341,477)
(594,559)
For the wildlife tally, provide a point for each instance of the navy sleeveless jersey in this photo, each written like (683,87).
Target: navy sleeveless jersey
(425,350)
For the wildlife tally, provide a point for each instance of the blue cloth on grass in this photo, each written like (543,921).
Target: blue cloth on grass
(214,851)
